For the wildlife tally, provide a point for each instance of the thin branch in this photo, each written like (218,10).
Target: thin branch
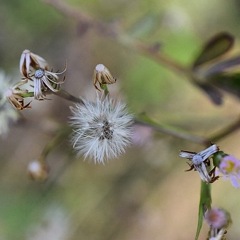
(171,131)
(145,120)
(226,131)
(67,96)
(156,55)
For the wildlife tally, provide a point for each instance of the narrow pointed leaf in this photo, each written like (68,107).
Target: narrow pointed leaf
(223,66)
(204,204)
(227,82)
(215,47)
(212,92)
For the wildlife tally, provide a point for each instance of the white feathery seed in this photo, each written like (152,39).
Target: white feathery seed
(102,129)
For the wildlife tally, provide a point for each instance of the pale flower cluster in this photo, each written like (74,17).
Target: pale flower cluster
(7,113)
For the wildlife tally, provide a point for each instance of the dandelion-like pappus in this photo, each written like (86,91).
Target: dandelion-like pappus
(102,129)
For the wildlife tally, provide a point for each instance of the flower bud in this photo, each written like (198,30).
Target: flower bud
(101,76)
(37,170)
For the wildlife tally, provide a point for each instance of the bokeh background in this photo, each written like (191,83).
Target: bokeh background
(145,194)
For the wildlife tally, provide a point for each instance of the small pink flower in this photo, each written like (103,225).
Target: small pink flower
(230,168)
(216,218)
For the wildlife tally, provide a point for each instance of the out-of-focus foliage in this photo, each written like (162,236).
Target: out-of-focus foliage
(211,69)
(33,25)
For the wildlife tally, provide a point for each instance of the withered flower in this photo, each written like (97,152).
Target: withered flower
(30,61)
(43,81)
(199,162)
(15,96)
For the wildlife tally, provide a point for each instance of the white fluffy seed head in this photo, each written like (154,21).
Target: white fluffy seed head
(102,129)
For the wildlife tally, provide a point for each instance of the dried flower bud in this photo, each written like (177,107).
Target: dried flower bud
(15,96)
(101,76)
(38,170)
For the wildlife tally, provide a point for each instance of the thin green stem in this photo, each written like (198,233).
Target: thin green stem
(67,96)
(204,204)
(104,87)
(28,94)
(145,120)
(226,131)
(154,54)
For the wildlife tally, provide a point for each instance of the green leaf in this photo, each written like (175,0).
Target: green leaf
(221,75)
(217,158)
(222,66)
(212,92)
(204,204)
(146,25)
(215,47)
(227,82)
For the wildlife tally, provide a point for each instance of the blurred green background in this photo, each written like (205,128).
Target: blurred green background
(145,194)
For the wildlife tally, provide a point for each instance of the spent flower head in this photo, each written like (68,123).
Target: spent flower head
(15,95)
(217,235)
(200,162)
(45,81)
(229,167)
(35,68)
(102,129)
(29,62)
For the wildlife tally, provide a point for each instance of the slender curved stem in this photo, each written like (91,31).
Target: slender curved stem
(145,120)
(226,131)
(65,95)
